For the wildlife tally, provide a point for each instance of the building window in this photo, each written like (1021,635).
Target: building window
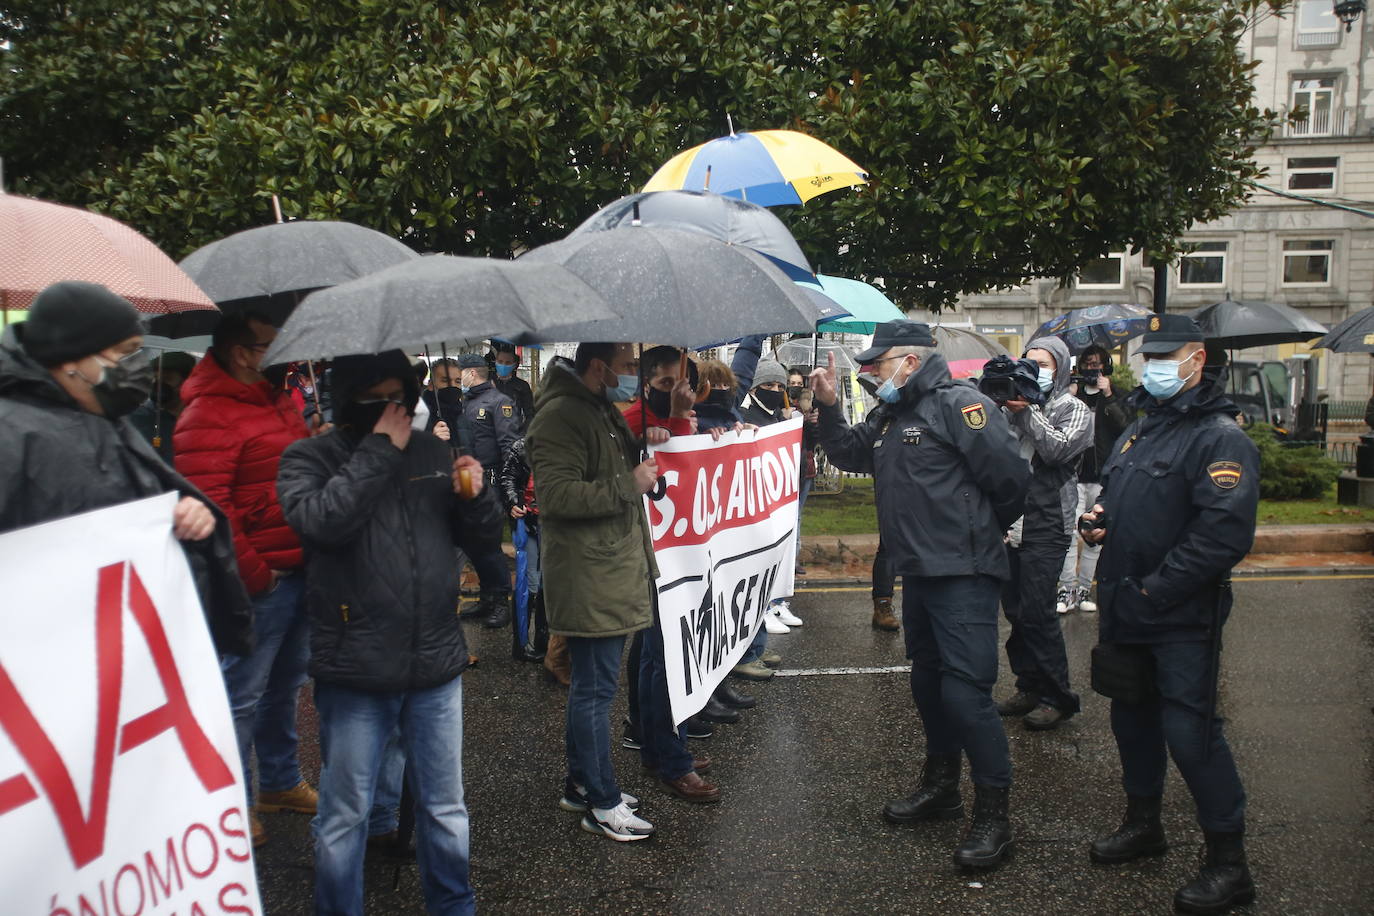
(1313,173)
(1104,273)
(1307,262)
(1318,26)
(1314,102)
(1203,265)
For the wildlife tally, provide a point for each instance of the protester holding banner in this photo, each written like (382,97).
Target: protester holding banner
(377,506)
(948,481)
(69,375)
(228,441)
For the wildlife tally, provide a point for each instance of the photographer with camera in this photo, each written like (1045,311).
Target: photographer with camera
(1052,433)
(1111,416)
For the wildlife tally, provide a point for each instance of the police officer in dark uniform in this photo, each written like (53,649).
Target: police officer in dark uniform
(948,480)
(1177,512)
(491,428)
(505,362)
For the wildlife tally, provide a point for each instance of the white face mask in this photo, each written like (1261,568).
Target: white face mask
(1046,379)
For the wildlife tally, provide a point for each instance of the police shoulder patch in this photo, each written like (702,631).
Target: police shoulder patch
(1225,474)
(975,416)
(507,410)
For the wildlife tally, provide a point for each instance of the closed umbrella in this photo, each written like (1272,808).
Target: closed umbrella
(1237,325)
(1353,335)
(269,268)
(436,299)
(675,287)
(768,167)
(42,243)
(725,218)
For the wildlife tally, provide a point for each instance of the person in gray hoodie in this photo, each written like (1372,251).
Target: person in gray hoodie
(1052,437)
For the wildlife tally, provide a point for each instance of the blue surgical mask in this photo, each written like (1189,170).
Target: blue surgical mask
(504,370)
(888,392)
(465,389)
(626,389)
(1046,379)
(1162,379)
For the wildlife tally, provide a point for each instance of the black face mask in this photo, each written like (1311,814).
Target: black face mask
(772,400)
(362,416)
(124,386)
(660,402)
(795,392)
(721,398)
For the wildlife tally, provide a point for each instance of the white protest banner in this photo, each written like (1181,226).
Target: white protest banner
(121,791)
(725,536)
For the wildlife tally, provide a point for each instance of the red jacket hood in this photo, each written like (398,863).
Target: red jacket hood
(210,378)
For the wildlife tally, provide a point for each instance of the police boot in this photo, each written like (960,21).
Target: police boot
(500,611)
(988,841)
(935,799)
(883,618)
(1224,879)
(1140,834)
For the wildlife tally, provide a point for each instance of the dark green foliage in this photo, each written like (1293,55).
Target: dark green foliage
(1288,472)
(1005,139)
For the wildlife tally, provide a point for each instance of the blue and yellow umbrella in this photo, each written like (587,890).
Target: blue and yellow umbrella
(766,167)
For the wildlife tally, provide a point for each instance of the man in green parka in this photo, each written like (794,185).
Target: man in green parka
(599,568)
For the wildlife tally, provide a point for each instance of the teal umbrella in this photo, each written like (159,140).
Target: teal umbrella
(866,305)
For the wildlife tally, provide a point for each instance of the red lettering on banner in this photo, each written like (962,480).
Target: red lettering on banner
(84,832)
(722,487)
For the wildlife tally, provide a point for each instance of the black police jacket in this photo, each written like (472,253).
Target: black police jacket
(947,474)
(379,526)
(519,391)
(494,422)
(1180,490)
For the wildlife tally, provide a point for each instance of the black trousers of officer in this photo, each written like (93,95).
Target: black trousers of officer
(1176,720)
(1035,648)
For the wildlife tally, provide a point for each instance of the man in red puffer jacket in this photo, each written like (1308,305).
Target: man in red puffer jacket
(228,442)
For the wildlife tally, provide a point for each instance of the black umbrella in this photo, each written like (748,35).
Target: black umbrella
(437,299)
(725,218)
(1353,335)
(268,269)
(1237,325)
(676,287)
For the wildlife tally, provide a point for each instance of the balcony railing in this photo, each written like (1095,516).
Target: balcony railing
(1320,122)
(1330,38)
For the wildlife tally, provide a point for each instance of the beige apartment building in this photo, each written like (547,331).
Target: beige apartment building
(1273,248)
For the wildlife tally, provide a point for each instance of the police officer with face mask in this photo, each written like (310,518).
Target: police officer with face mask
(1177,512)
(948,479)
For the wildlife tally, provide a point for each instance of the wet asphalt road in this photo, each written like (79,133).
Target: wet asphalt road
(806,774)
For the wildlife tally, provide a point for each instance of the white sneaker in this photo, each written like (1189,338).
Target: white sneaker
(784,612)
(619,823)
(575,800)
(1086,604)
(1062,605)
(774,626)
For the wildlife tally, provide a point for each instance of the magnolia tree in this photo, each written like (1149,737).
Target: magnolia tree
(1005,139)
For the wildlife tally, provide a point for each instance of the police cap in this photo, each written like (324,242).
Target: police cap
(900,333)
(471,361)
(1166,333)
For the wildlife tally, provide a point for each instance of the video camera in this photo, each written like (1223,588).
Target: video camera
(1006,379)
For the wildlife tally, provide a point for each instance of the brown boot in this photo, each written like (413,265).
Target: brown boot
(882,615)
(257,830)
(556,660)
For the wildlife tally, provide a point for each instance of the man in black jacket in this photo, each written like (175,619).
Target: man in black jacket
(1178,507)
(377,508)
(948,480)
(68,378)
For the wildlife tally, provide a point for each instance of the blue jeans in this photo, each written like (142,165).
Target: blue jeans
(662,745)
(950,626)
(359,723)
(595,666)
(386,802)
(264,687)
(1175,722)
(755,650)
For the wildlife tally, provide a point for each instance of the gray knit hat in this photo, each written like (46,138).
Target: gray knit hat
(769,370)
